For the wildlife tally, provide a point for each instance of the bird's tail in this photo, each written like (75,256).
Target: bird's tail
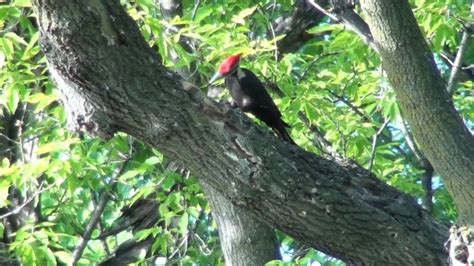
(283,134)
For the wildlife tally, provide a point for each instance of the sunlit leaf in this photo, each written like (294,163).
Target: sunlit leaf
(240,18)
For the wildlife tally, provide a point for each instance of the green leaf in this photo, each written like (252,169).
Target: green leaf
(274,263)
(13,36)
(2,60)
(4,186)
(129,174)
(7,46)
(202,14)
(5,162)
(168,182)
(152,160)
(183,223)
(325,27)
(64,257)
(45,256)
(163,209)
(22,3)
(240,18)
(42,100)
(311,112)
(13,98)
(54,146)
(29,51)
(193,212)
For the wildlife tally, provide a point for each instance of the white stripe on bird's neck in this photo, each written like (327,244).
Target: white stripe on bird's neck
(238,71)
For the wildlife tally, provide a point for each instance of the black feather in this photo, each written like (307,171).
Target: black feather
(250,96)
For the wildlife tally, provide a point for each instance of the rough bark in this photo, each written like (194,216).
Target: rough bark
(244,239)
(112,81)
(423,99)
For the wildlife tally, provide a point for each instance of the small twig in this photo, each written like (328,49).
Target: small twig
(183,241)
(314,61)
(77,253)
(312,128)
(326,146)
(9,139)
(427,183)
(427,179)
(21,124)
(374,143)
(18,209)
(455,70)
(203,246)
(301,251)
(354,108)
(343,139)
(195,9)
(60,201)
(9,28)
(445,56)
(101,227)
(463,45)
(410,141)
(260,9)
(324,11)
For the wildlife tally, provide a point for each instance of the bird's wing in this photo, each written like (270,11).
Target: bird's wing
(255,89)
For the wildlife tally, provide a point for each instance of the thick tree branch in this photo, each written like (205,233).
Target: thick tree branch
(344,9)
(423,98)
(294,27)
(109,76)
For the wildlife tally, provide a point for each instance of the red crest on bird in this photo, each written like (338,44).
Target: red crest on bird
(229,64)
(227,67)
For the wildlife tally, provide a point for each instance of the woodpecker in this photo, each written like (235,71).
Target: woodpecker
(249,94)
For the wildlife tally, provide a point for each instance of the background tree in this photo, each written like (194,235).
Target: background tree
(68,197)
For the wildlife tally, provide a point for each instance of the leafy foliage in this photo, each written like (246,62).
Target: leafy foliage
(335,82)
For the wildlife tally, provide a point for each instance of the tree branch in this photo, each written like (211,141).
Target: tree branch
(427,178)
(344,9)
(318,7)
(344,13)
(27,201)
(463,45)
(324,204)
(294,27)
(374,143)
(95,218)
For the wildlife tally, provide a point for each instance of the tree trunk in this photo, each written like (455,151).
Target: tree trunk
(244,239)
(112,81)
(424,101)
(430,112)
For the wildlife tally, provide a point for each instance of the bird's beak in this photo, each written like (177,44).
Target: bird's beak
(215,78)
